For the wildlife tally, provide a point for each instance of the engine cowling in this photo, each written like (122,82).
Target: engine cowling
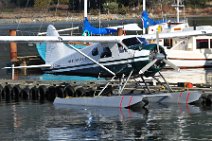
(159,55)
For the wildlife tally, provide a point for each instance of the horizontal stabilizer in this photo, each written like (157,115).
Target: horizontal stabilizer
(110,39)
(61,30)
(61,38)
(31,66)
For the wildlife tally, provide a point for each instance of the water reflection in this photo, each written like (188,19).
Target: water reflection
(200,76)
(35,121)
(125,124)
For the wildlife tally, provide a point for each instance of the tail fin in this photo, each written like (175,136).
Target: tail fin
(89,29)
(55,51)
(147,21)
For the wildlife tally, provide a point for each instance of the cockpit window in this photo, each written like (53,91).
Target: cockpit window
(143,41)
(133,43)
(106,52)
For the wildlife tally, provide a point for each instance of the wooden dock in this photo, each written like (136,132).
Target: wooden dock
(17,90)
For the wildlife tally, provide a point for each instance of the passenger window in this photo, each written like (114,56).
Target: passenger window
(106,52)
(95,52)
(202,43)
(211,43)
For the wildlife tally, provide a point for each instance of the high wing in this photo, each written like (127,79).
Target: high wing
(100,38)
(179,34)
(62,38)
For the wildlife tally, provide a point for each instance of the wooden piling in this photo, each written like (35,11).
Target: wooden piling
(120,31)
(13,47)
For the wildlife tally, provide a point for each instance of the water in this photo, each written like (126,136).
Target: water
(35,121)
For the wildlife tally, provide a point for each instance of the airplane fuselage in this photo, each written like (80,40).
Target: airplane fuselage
(117,57)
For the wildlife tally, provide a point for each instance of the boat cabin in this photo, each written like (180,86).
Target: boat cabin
(189,44)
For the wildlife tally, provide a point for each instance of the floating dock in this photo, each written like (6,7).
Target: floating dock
(17,90)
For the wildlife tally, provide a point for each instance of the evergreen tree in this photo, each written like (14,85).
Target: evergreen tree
(22,3)
(40,4)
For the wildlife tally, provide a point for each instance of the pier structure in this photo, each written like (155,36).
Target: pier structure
(17,90)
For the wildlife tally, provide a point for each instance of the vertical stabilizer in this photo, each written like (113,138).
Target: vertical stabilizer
(55,50)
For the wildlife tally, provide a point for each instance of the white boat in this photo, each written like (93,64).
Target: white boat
(184,50)
(191,52)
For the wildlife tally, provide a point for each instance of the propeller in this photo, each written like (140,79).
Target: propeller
(145,68)
(158,57)
(171,65)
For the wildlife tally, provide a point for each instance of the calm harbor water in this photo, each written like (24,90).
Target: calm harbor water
(33,121)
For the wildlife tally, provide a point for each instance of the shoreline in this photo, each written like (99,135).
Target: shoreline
(58,20)
(35,16)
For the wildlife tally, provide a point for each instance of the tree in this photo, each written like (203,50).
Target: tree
(40,4)
(196,3)
(112,7)
(23,3)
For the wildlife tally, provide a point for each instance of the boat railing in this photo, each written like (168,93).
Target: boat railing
(181,45)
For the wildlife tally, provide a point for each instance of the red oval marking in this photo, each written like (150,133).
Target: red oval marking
(179,97)
(131,97)
(187,97)
(120,104)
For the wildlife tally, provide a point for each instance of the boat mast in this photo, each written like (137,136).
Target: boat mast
(85,8)
(144,9)
(144,5)
(177,7)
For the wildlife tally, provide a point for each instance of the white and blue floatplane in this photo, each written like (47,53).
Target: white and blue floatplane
(114,57)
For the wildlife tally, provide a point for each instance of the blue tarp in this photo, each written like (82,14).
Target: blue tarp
(89,29)
(148,21)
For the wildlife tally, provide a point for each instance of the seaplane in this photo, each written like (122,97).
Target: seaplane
(114,57)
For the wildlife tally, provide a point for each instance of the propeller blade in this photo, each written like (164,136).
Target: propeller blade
(145,68)
(171,65)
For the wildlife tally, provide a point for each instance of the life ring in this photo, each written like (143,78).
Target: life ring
(8,90)
(60,91)
(42,90)
(80,91)
(1,91)
(16,90)
(86,33)
(51,93)
(34,93)
(69,91)
(25,93)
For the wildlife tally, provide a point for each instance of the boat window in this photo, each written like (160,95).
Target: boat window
(202,43)
(95,52)
(211,43)
(168,43)
(133,43)
(106,52)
